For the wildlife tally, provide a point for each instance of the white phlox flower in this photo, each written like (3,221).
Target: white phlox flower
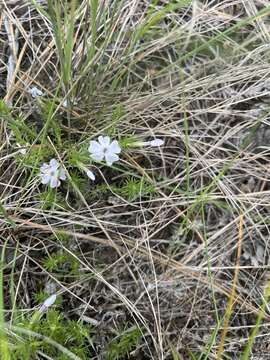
(48,303)
(52,173)
(35,92)
(105,149)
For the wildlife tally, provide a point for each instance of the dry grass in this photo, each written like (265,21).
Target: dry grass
(163,260)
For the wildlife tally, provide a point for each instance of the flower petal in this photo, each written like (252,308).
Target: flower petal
(111,158)
(45,178)
(54,164)
(91,175)
(48,303)
(62,174)
(98,156)
(44,168)
(54,182)
(95,147)
(104,141)
(114,147)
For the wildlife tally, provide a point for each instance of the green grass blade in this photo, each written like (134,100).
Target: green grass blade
(4,347)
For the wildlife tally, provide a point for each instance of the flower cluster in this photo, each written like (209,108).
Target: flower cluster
(101,150)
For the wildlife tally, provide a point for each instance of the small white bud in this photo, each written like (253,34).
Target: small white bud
(156,142)
(91,175)
(48,303)
(151,143)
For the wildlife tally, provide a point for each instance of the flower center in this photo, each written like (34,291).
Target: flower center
(53,173)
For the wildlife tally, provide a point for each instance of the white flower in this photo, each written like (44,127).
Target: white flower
(91,175)
(104,148)
(48,303)
(35,92)
(51,173)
